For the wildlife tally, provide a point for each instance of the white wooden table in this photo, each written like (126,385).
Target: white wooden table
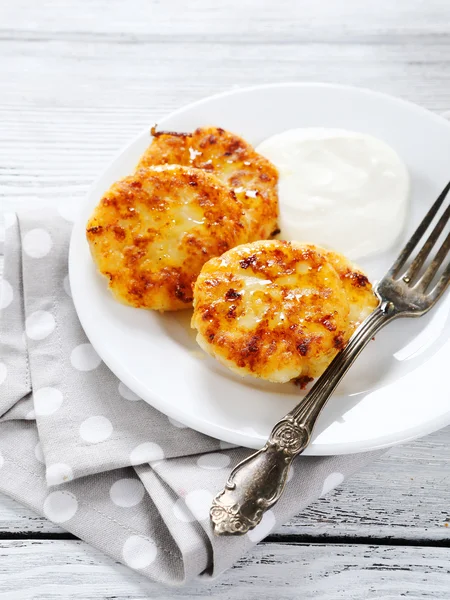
(79,79)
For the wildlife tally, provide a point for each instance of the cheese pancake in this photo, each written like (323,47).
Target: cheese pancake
(356,285)
(279,310)
(235,162)
(152,232)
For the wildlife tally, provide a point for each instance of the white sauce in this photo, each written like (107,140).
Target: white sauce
(339,189)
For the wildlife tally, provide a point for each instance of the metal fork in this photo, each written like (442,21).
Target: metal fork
(257,482)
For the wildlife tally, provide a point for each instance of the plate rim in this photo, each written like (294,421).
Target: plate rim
(157,401)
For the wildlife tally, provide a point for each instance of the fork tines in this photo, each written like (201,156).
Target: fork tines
(411,275)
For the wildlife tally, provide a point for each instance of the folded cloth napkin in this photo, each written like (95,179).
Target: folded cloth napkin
(79,447)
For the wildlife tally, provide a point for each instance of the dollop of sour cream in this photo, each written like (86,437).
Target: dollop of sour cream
(340,189)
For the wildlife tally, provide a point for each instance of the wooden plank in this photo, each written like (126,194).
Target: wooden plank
(164,76)
(402,496)
(71,569)
(138,20)
(17,520)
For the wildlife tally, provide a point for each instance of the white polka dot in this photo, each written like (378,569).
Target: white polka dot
(3,372)
(38,453)
(332,481)
(96,429)
(290,474)
(40,325)
(127,492)
(6,294)
(58,473)
(177,423)
(30,416)
(226,445)
(127,393)
(85,358)
(37,243)
(264,528)
(69,210)
(2,460)
(47,401)
(139,552)
(145,453)
(66,285)
(9,219)
(60,507)
(181,511)
(199,502)
(215,460)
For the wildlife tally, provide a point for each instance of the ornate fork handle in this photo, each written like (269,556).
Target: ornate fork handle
(257,482)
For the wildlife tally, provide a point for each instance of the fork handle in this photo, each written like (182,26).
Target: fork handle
(257,482)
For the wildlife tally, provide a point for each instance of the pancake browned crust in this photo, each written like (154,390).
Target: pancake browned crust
(152,232)
(279,310)
(235,162)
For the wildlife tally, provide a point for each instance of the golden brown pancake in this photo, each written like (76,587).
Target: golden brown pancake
(235,162)
(279,310)
(152,232)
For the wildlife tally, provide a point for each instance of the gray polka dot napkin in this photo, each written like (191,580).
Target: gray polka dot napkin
(79,447)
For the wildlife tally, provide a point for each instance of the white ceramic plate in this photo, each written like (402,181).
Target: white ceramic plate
(396,391)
